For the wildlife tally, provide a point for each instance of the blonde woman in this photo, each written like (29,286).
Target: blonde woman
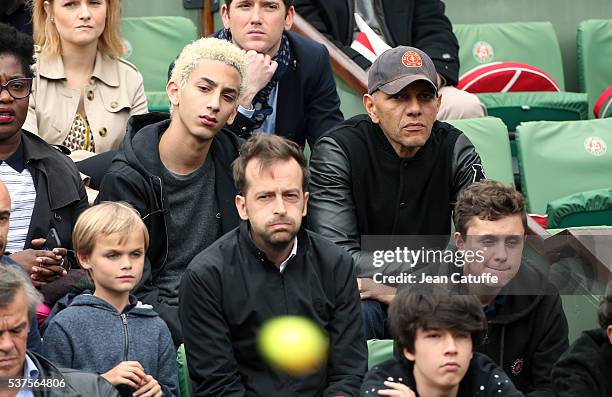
(83,93)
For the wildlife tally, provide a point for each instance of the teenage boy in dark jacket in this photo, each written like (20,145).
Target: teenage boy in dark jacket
(434,334)
(176,172)
(267,267)
(527,330)
(584,370)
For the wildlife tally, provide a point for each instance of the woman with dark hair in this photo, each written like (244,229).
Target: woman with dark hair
(83,93)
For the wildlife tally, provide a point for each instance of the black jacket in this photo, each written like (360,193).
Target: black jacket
(416,23)
(231,289)
(307,104)
(134,177)
(528,333)
(483,378)
(60,194)
(586,368)
(69,382)
(360,186)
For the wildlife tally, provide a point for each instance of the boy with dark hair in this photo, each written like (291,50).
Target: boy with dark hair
(584,370)
(110,333)
(434,333)
(528,330)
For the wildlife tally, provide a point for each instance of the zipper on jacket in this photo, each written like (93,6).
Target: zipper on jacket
(125,337)
(284,293)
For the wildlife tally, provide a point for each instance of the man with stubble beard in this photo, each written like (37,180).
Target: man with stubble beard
(270,266)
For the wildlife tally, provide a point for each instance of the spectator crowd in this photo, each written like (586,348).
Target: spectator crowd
(210,220)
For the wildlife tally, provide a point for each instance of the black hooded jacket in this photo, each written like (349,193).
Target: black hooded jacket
(232,289)
(482,379)
(528,333)
(585,369)
(134,177)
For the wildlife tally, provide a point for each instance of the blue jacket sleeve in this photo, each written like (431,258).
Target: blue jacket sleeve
(34,343)
(57,345)
(168,367)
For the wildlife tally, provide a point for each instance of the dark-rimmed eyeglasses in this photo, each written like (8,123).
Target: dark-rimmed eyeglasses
(18,88)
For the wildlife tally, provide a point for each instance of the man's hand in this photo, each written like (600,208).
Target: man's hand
(368,289)
(129,373)
(150,389)
(396,390)
(260,69)
(43,266)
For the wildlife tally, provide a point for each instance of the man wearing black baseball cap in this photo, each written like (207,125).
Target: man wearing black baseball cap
(394,171)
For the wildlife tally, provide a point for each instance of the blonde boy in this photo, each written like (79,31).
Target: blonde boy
(109,332)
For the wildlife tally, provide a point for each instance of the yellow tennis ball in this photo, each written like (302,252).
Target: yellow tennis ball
(293,344)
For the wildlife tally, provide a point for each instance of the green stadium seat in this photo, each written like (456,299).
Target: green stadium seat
(533,43)
(558,159)
(184,380)
(594,58)
(151,44)
(490,138)
(517,107)
(590,208)
(379,350)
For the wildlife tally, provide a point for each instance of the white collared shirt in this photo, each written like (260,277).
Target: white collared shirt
(291,255)
(29,372)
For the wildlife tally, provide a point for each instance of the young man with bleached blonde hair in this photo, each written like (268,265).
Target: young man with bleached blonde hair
(177,171)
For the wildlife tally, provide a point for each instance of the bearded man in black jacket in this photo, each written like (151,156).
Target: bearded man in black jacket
(270,266)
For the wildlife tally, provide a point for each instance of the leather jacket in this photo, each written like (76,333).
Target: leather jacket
(69,382)
(332,208)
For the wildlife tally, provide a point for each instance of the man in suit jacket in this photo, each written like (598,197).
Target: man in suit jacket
(290,90)
(415,23)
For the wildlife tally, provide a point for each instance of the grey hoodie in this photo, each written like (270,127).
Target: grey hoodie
(90,335)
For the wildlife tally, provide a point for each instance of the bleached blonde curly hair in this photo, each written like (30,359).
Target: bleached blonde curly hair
(212,49)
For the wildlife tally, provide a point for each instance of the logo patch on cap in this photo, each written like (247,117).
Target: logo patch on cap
(411,59)
(595,146)
(483,52)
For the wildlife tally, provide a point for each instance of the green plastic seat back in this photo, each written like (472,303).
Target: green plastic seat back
(490,138)
(590,208)
(517,107)
(557,159)
(183,372)
(533,43)
(152,44)
(594,58)
(379,350)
